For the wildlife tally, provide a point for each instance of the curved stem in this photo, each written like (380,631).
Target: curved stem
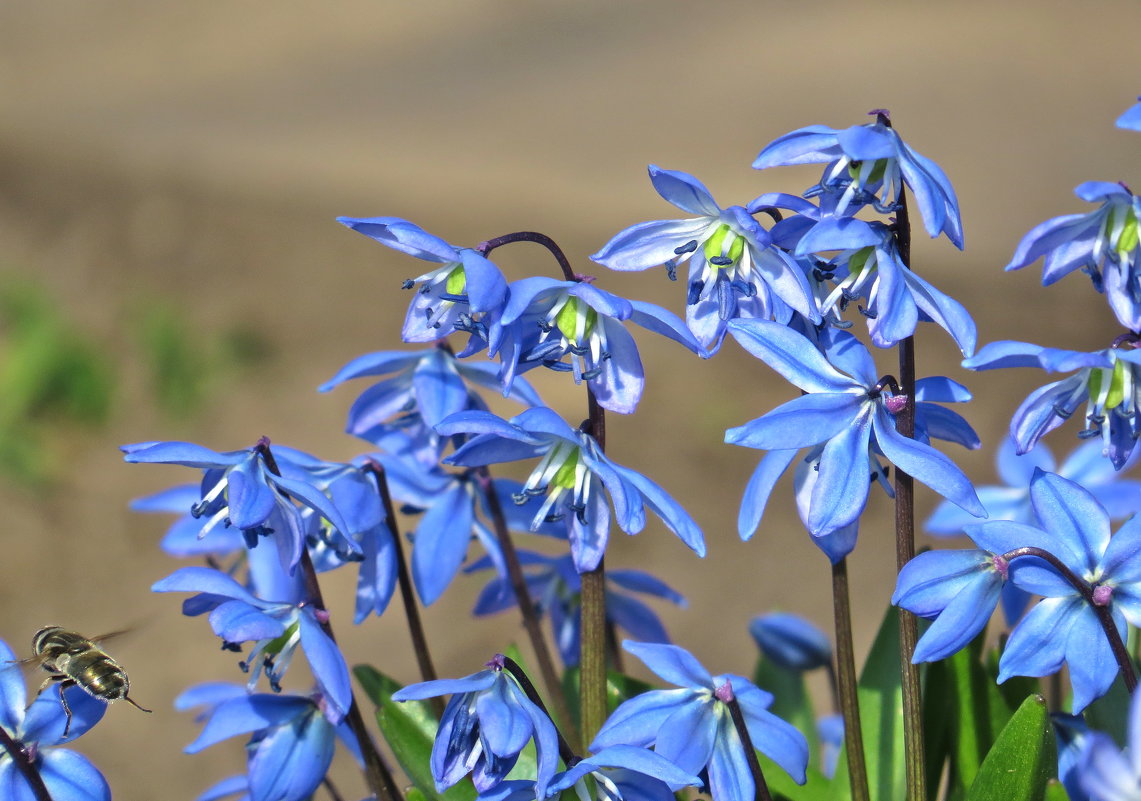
(759,783)
(407,593)
(905,543)
(512,667)
(1104,615)
(539,239)
(526,605)
(844,679)
(377,774)
(24,764)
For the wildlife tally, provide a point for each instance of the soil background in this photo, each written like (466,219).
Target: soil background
(197,154)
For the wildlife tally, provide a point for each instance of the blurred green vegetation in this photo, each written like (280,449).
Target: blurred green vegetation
(56,378)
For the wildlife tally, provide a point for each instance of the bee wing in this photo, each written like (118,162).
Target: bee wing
(110,635)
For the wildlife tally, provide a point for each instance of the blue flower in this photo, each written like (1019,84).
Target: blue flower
(869,266)
(733,269)
(276,627)
(1086,466)
(1131,119)
(1103,243)
(554,585)
(487,722)
(692,728)
(464,293)
(570,477)
(1106,381)
(830,730)
(425,387)
(849,412)
(38,729)
(239,490)
(290,749)
(189,535)
(1106,772)
(869,164)
(960,588)
(790,641)
(547,320)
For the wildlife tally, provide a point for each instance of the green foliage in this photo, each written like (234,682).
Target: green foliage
(1024,758)
(791,700)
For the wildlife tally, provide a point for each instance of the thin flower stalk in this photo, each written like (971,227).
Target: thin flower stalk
(377,774)
(568,755)
(905,546)
(407,592)
(725,693)
(843,682)
(592,658)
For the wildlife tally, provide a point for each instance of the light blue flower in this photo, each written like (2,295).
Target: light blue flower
(554,585)
(625,773)
(546,321)
(290,749)
(1106,381)
(485,725)
(692,727)
(465,293)
(870,164)
(189,535)
(275,626)
(1103,243)
(733,269)
(849,413)
(961,588)
(570,477)
(38,729)
(791,641)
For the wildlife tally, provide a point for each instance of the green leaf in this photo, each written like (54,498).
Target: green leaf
(1023,759)
(881,718)
(781,785)
(1055,791)
(791,701)
(978,712)
(1015,689)
(409,727)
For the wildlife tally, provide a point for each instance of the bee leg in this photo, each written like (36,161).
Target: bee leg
(47,683)
(131,701)
(63,685)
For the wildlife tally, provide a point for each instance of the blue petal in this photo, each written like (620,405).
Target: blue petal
(1090,658)
(838,233)
(638,720)
(404,236)
(683,191)
(291,761)
(932,580)
(925,464)
(504,726)
(635,759)
(1037,646)
(1121,561)
(640,581)
(671,663)
(1070,512)
(618,388)
(228,786)
(1005,354)
(209,694)
(650,244)
(791,354)
(46,720)
(237,621)
(634,617)
(688,737)
(438,388)
(442,538)
(13,694)
(944,311)
(205,580)
(778,740)
(183,453)
(431,689)
(729,776)
(843,479)
(248,714)
(380,363)
(71,777)
(809,145)
(667,509)
(760,487)
(660,321)
(1017,469)
(800,422)
(486,286)
(328,668)
(962,619)
(791,641)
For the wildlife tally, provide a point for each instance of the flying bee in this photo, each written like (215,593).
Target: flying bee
(73,660)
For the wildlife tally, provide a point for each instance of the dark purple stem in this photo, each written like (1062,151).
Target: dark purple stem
(592,639)
(1104,616)
(377,774)
(407,593)
(570,758)
(539,239)
(725,694)
(844,684)
(24,764)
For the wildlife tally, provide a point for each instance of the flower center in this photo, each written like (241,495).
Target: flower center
(1102,595)
(456,282)
(725,247)
(575,320)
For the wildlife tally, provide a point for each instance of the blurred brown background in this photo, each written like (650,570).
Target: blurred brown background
(194,155)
